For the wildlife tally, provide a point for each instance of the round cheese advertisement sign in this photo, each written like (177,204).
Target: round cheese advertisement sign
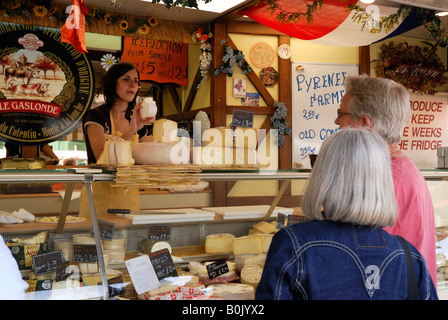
(46,86)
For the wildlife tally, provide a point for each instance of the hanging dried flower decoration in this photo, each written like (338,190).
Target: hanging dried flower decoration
(47,10)
(205,59)
(230,58)
(279,123)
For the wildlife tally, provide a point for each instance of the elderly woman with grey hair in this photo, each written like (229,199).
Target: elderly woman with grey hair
(383,105)
(343,252)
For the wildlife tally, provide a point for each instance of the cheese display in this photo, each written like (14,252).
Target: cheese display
(247,245)
(116,152)
(149,108)
(244,260)
(251,275)
(245,138)
(165,130)
(212,156)
(245,157)
(265,239)
(161,153)
(220,137)
(233,291)
(219,243)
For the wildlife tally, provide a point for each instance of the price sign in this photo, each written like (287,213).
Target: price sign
(116,286)
(217,268)
(47,262)
(242,118)
(106,230)
(85,253)
(163,264)
(281,220)
(159,232)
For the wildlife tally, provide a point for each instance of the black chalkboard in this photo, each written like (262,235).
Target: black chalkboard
(106,230)
(85,253)
(163,264)
(47,262)
(159,232)
(242,118)
(217,268)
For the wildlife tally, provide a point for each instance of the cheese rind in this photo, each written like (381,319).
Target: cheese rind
(161,153)
(233,291)
(251,275)
(219,243)
(247,245)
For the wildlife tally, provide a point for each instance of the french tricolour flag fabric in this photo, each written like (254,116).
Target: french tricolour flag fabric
(332,24)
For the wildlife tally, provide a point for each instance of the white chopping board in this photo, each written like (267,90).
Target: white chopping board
(247,212)
(169,215)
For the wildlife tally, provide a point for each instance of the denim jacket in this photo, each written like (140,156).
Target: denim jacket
(322,260)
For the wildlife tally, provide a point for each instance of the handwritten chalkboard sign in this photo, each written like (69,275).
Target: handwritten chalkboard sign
(106,230)
(317,90)
(85,253)
(217,268)
(281,220)
(163,264)
(159,232)
(47,262)
(116,286)
(242,118)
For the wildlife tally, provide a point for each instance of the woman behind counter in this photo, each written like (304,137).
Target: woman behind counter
(120,117)
(344,253)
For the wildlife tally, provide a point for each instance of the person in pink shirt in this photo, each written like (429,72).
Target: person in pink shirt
(384,106)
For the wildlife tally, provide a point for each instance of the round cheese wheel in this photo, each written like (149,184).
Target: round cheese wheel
(251,275)
(161,153)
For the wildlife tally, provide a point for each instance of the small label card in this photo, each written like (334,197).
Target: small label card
(142,274)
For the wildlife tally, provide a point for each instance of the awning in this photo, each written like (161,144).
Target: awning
(332,24)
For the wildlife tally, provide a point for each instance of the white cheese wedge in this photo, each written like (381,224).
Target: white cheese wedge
(24,214)
(9,218)
(247,245)
(165,130)
(149,108)
(219,243)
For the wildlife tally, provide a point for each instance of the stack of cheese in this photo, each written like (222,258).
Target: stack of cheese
(116,152)
(249,251)
(166,149)
(224,147)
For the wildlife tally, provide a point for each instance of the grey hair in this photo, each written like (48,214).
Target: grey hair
(351,180)
(384,101)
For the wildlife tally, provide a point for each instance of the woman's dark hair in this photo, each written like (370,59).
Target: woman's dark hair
(110,83)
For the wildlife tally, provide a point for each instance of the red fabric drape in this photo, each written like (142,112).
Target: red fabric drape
(73,31)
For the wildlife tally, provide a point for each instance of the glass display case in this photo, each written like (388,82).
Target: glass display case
(186,234)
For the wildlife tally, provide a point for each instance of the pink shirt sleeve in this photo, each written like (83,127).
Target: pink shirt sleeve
(415,221)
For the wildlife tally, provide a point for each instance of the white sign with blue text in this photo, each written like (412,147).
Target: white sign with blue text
(317,90)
